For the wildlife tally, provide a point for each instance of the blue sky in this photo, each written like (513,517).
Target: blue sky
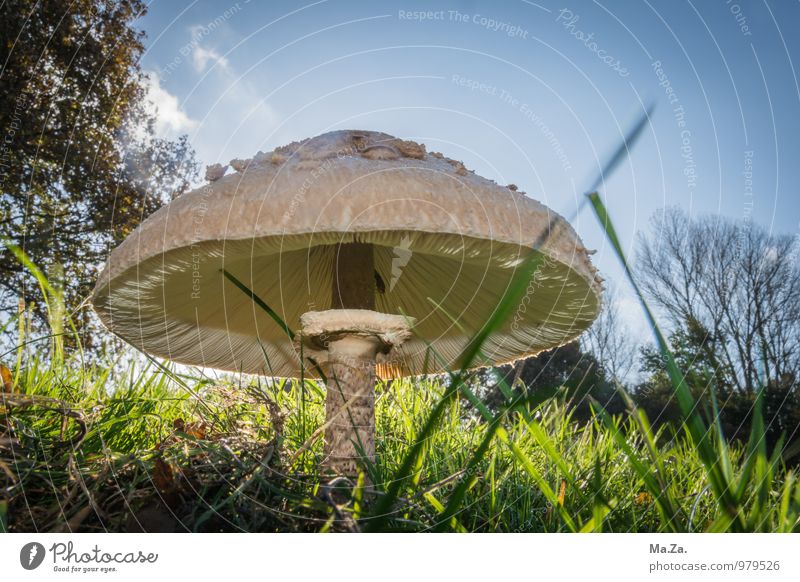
(535,94)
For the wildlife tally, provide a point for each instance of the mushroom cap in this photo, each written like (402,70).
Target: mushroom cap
(446,246)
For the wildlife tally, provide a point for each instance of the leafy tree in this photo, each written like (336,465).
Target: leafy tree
(80,165)
(655,395)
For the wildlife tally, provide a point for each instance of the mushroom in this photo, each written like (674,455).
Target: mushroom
(358,250)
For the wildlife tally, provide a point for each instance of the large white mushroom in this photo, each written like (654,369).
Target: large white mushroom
(385,259)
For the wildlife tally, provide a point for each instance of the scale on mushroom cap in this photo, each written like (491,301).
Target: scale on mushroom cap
(367,249)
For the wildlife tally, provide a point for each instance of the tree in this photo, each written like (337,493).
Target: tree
(735,283)
(731,294)
(80,165)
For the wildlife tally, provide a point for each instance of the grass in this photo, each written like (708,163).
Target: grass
(99,449)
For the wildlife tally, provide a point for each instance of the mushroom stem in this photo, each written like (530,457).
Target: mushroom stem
(353,277)
(347,343)
(350,403)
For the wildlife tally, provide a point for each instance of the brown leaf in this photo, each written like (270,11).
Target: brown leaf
(164,477)
(8,379)
(197,430)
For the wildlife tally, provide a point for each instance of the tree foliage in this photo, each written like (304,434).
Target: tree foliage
(80,165)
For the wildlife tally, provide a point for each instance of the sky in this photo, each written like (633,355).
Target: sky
(537,94)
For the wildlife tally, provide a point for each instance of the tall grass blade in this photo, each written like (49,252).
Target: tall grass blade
(624,149)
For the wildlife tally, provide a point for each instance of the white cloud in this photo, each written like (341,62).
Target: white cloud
(171,120)
(201,57)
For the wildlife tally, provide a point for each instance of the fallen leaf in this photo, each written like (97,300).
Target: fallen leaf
(197,430)
(8,379)
(164,478)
